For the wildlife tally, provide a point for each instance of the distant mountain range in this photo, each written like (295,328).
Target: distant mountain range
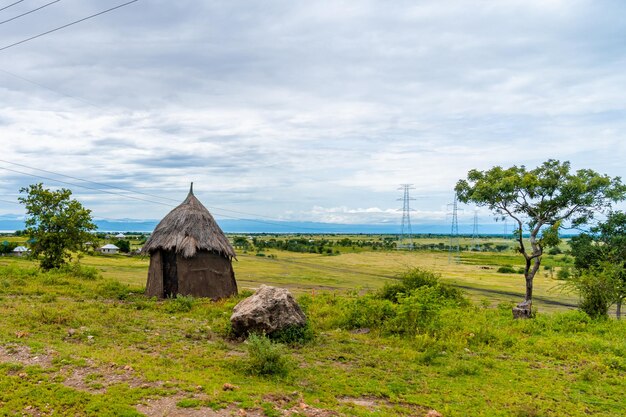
(10,223)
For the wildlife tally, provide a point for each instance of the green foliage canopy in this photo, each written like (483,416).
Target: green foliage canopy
(56,223)
(541,198)
(545,195)
(602,253)
(124,245)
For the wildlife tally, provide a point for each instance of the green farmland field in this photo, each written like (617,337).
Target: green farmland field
(85,341)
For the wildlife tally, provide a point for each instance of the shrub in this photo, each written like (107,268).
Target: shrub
(294,335)
(417,312)
(555,251)
(266,357)
(597,288)
(124,245)
(417,278)
(365,311)
(563,273)
(507,269)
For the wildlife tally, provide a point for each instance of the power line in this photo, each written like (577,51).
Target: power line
(13,4)
(129,191)
(50,89)
(29,12)
(66,25)
(151,201)
(84,186)
(12,202)
(88,181)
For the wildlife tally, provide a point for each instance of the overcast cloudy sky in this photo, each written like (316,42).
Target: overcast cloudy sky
(305,110)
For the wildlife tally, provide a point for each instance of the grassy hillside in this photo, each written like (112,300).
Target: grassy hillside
(84,341)
(365,270)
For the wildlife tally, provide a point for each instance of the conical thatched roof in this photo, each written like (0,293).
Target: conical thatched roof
(187,229)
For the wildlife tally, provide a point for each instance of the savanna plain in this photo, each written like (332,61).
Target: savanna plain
(390,333)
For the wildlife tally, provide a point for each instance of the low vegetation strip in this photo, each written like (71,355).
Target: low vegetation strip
(418,345)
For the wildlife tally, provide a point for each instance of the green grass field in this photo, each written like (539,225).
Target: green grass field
(304,272)
(75,344)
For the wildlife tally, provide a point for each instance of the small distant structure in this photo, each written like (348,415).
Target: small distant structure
(190,255)
(20,251)
(120,236)
(109,249)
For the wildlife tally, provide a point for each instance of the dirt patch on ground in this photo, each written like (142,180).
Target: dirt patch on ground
(286,405)
(96,379)
(368,402)
(375,404)
(166,407)
(308,411)
(23,355)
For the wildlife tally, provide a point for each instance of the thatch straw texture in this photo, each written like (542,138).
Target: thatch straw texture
(187,229)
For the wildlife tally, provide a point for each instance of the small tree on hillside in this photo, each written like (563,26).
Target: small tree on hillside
(7,247)
(124,245)
(541,199)
(56,224)
(602,252)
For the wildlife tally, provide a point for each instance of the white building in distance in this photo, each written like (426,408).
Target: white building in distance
(109,249)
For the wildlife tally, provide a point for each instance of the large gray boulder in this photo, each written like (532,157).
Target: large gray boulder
(268,310)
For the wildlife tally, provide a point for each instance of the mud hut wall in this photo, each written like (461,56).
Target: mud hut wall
(154,287)
(206,275)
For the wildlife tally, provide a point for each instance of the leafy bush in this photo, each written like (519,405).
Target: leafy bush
(417,278)
(555,251)
(266,357)
(124,245)
(417,311)
(294,335)
(410,307)
(507,269)
(597,288)
(563,273)
(365,311)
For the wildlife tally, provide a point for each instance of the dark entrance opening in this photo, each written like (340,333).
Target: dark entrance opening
(170,274)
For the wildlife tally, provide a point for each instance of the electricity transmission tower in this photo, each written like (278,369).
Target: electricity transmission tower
(506,229)
(405,240)
(475,238)
(454,251)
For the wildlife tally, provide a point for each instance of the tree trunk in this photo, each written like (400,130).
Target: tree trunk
(524,309)
(533,261)
(618,313)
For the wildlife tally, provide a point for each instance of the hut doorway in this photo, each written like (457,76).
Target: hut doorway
(170,274)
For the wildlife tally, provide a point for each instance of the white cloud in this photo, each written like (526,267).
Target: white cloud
(301,110)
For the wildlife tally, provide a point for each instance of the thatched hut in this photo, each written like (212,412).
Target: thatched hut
(189,255)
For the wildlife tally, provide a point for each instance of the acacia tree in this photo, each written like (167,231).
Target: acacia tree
(56,223)
(602,252)
(540,199)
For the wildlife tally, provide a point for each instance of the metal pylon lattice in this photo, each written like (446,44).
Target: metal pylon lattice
(475,237)
(405,240)
(454,250)
(505,234)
